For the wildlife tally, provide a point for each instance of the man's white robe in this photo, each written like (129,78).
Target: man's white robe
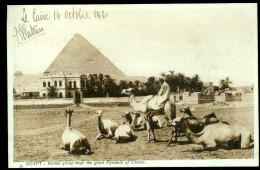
(153,102)
(157,102)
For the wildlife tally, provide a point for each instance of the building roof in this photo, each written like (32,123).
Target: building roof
(81,57)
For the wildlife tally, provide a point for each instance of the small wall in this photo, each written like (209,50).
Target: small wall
(110,99)
(220,98)
(206,98)
(176,97)
(230,97)
(190,98)
(43,101)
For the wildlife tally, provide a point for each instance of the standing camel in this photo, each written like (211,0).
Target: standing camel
(168,110)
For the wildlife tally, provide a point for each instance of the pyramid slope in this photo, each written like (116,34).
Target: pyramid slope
(80,57)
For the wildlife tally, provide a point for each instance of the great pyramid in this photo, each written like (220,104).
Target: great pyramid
(80,57)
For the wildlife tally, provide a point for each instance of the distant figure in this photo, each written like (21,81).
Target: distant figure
(158,101)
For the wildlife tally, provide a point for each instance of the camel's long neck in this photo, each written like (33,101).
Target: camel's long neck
(132,100)
(100,125)
(129,118)
(68,122)
(194,137)
(133,124)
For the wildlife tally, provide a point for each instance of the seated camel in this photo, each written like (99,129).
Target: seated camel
(218,135)
(196,124)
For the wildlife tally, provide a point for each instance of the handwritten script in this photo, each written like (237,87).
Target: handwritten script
(30,28)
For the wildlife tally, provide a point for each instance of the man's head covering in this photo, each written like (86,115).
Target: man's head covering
(161,80)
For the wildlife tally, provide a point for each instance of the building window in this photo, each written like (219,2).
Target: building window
(44,94)
(49,84)
(70,84)
(60,94)
(55,83)
(60,83)
(75,84)
(44,84)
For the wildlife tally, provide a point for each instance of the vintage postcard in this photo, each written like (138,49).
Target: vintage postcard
(155,85)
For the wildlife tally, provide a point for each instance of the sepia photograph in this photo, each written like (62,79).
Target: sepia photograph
(134,85)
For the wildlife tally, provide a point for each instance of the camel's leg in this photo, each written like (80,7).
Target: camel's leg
(148,130)
(160,123)
(209,145)
(151,125)
(98,136)
(62,146)
(152,129)
(245,140)
(110,134)
(177,130)
(172,134)
(85,146)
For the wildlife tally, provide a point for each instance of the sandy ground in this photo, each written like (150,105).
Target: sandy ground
(37,135)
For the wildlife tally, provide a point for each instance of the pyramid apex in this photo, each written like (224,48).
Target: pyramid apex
(80,56)
(78,35)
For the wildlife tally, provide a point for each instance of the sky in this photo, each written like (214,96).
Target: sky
(212,40)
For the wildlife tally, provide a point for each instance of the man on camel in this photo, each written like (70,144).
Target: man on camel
(158,101)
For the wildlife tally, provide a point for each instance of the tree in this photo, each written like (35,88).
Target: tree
(152,85)
(195,84)
(130,84)
(180,81)
(224,83)
(123,84)
(137,84)
(52,91)
(111,87)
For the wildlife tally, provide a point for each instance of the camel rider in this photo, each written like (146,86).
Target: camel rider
(158,101)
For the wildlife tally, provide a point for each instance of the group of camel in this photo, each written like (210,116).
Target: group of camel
(208,131)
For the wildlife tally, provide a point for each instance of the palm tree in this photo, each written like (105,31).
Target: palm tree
(152,85)
(180,81)
(171,72)
(137,83)
(225,83)
(52,91)
(163,74)
(130,84)
(123,84)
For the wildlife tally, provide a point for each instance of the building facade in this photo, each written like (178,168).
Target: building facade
(65,84)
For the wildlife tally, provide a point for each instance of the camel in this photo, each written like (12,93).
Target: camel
(106,127)
(169,111)
(141,122)
(72,140)
(206,120)
(218,135)
(196,125)
(125,133)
